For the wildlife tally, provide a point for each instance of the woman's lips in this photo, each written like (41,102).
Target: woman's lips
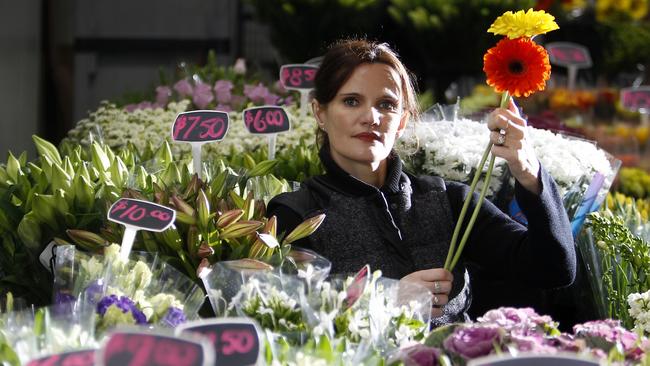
(366,136)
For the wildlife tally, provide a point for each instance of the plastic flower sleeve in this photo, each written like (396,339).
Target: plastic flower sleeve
(399,313)
(308,265)
(68,327)
(78,273)
(223,280)
(17,328)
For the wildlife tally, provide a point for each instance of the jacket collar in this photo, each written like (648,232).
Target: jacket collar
(342,181)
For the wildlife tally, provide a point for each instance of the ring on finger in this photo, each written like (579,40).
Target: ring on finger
(501,139)
(436,300)
(436,287)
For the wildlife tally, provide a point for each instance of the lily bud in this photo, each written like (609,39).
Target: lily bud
(203,209)
(44,209)
(60,178)
(305,229)
(184,218)
(45,148)
(263,168)
(13,168)
(205,250)
(257,250)
(99,158)
(29,232)
(241,228)
(182,206)
(86,239)
(84,194)
(229,217)
(271,226)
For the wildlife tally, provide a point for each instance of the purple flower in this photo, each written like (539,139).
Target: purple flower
(94,291)
(131,107)
(271,99)
(418,355)
(223,91)
(605,334)
(473,341)
(63,298)
(144,105)
(565,342)
(223,108)
(173,318)
(202,95)
(256,93)
(123,303)
(524,321)
(531,343)
(163,93)
(183,88)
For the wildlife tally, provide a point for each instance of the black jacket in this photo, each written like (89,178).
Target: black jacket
(407,224)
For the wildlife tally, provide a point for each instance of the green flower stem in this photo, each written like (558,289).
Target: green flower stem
(453,255)
(472,219)
(463,211)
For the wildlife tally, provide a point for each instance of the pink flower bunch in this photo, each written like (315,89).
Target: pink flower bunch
(523,330)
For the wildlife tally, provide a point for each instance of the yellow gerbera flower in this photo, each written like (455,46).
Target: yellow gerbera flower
(523,24)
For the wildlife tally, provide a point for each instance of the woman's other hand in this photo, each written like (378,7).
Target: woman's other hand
(438,281)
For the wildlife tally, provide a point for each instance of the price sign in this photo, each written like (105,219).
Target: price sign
(298,76)
(534,360)
(266,119)
(235,340)
(73,358)
(358,285)
(134,348)
(141,214)
(568,54)
(636,99)
(200,126)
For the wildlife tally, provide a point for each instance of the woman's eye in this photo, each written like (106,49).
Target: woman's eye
(388,105)
(351,102)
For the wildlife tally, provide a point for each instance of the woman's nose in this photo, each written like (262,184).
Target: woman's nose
(371,116)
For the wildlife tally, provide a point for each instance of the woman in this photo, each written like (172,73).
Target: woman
(380,215)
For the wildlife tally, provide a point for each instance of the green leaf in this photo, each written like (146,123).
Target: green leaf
(263,168)
(29,232)
(13,168)
(99,158)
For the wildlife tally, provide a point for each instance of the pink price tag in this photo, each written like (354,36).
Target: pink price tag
(636,99)
(235,340)
(135,348)
(73,358)
(141,214)
(266,119)
(358,285)
(568,54)
(298,76)
(200,126)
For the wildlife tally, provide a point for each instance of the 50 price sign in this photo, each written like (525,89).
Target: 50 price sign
(266,119)
(298,76)
(141,214)
(235,340)
(200,126)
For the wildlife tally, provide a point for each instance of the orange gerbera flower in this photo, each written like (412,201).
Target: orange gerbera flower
(518,66)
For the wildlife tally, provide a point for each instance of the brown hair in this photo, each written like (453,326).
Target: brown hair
(340,61)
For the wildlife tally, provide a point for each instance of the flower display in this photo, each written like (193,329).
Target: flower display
(519,66)
(523,24)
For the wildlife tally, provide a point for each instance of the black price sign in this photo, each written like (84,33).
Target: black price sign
(298,76)
(636,99)
(266,119)
(568,54)
(235,340)
(73,358)
(150,349)
(141,214)
(200,126)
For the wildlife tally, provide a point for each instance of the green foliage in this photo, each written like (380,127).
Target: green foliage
(300,29)
(634,182)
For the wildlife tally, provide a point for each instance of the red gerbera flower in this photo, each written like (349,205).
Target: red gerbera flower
(518,66)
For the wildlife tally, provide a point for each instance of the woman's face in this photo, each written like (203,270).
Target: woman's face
(365,117)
